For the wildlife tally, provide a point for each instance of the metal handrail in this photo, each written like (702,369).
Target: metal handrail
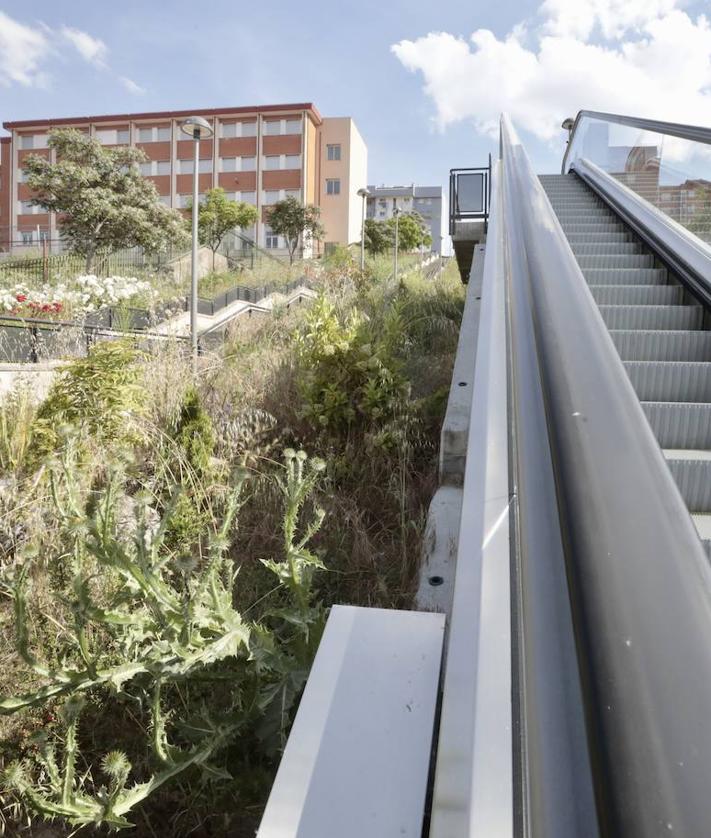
(552,756)
(695,133)
(639,583)
(684,253)
(473,788)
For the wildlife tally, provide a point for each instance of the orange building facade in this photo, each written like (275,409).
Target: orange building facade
(260,155)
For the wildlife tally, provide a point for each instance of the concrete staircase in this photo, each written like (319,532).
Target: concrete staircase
(660,333)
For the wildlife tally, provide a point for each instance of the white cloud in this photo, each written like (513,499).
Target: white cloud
(578,18)
(641,57)
(23,49)
(91,49)
(27,50)
(131,86)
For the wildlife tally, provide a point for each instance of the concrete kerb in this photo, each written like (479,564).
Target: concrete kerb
(455,429)
(439,552)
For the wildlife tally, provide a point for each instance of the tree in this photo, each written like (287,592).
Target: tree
(102,200)
(412,231)
(217,216)
(291,219)
(379,236)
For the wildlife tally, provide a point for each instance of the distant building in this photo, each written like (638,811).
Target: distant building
(425,200)
(259,155)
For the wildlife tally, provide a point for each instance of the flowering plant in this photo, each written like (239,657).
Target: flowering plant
(85,294)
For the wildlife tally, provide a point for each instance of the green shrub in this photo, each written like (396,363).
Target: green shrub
(17,416)
(194,433)
(101,395)
(347,377)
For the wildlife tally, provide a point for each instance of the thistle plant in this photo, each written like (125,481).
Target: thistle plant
(136,624)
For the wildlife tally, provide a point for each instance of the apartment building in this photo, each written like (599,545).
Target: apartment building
(256,154)
(425,200)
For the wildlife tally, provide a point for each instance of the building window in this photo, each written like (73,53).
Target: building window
(165,199)
(249,129)
(272,127)
(232,196)
(154,135)
(292,193)
(33,141)
(229,164)
(271,240)
(293,161)
(155,167)
(185,167)
(333,152)
(248,197)
(272,161)
(271,196)
(27,237)
(293,126)
(228,130)
(27,208)
(333,186)
(184,201)
(248,164)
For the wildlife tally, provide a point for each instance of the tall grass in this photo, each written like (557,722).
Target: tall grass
(347,529)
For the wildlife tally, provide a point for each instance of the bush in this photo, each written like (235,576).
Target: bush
(100,395)
(347,376)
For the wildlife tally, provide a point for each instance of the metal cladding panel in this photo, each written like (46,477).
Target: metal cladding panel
(357,759)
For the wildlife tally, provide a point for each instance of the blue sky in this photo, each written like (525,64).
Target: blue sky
(423,106)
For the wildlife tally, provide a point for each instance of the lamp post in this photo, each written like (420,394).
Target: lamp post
(396,214)
(197,128)
(364,195)
(568,126)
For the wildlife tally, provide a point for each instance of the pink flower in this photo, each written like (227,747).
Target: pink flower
(21,298)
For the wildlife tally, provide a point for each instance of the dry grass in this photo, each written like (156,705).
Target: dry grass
(375,499)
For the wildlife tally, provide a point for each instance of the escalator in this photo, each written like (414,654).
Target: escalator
(659,332)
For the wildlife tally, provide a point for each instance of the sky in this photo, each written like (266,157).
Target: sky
(424,81)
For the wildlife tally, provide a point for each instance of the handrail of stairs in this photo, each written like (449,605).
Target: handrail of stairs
(473,784)
(695,133)
(638,582)
(688,256)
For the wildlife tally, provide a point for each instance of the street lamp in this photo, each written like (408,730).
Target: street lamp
(396,215)
(364,195)
(197,128)
(568,126)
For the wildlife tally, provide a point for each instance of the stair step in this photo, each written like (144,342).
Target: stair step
(680,424)
(670,381)
(636,260)
(692,472)
(625,276)
(637,295)
(605,248)
(575,204)
(662,345)
(585,216)
(571,228)
(703,527)
(599,238)
(651,317)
